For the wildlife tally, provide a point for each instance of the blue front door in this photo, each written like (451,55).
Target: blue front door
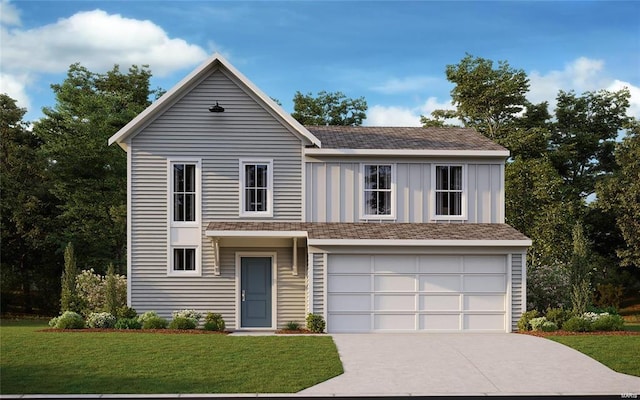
(255,292)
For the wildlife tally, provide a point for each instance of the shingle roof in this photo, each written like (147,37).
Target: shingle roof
(374,137)
(384,231)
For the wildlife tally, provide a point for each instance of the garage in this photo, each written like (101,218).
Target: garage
(408,293)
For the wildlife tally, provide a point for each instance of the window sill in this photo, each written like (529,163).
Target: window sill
(378,218)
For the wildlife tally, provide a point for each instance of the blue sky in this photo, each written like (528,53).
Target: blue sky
(392,53)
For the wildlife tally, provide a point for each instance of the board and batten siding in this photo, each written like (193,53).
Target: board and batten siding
(333,191)
(187,129)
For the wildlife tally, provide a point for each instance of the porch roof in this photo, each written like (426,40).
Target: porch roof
(375,233)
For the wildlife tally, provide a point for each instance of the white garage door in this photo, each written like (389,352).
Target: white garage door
(416,293)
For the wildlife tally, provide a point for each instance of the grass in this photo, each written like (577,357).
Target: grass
(117,362)
(620,353)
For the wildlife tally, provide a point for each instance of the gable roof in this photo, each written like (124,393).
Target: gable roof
(181,88)
(378,233)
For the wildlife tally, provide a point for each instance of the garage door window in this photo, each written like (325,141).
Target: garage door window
(378,191)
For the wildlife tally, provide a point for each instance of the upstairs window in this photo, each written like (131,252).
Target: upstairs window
(378,191)
(256,184)
(184,192)
(449,191)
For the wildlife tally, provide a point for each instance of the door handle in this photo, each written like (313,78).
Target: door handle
(243,295)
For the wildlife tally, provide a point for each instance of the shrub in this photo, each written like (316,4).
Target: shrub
(155,323)
(609,295)
(182,323)
(101,320)
(315,323)
(128,323)
(214,322)
(149,314)
(53,321)
(536,323)
(92,290)
(577,324)
(547,286)
(68,320)
(557,315)
(292,326)
(126,312)
(69,298)
(523,322)
(549,326)
(191,314)
(608,323)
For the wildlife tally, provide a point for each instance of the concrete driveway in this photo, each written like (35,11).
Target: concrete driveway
(473,364)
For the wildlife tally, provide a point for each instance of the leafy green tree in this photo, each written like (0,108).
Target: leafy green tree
(88,176)
(329,108)
(620,194)
(111,291)
(69,299)
(486,98)
(26,213)
(583,137)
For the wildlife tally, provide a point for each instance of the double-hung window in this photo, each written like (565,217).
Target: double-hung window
(184,216)
(378,191)
(256,188)
(449,192)
(184,192)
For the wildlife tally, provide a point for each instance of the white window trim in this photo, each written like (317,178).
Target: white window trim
(241,180)
(376,217)
(198,164)
(184,227)
(432,196)
(196,272)
(274,287)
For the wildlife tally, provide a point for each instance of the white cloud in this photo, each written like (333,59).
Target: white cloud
(581,75)
(15,87)
(407,84)
(9,15)
(405,116)
(97,40)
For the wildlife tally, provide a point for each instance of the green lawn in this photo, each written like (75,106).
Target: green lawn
(62,362)
(620,353)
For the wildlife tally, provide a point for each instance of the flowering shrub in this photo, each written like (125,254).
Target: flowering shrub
(101,320)
(190,314)
(68,320)
(536,323)
(91,288)
(549,326)
(146,316)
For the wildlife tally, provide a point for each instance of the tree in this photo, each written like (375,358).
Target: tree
(88,176)
(111,291)
(486,98)
(583,137)
(580,271)
(69,299)
(329,108)
(26,213)
(620,194)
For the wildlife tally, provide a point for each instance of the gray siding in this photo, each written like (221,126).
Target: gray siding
(517,294)
(318,283)
(188,129)
(333,192)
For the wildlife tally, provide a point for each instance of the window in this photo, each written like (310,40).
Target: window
(449,193)
(256,188)
(184,192)
(184,259)
(378,191)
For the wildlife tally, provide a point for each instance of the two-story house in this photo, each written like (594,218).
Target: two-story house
(234,207)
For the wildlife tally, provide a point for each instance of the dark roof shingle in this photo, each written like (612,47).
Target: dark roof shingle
(398,138)
(384,231)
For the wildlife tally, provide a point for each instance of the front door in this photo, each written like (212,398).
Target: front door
(255,292)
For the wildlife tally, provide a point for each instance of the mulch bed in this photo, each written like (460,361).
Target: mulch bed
(565,333)
(296,332)
(163,331)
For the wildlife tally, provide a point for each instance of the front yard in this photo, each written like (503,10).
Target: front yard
(123,362)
